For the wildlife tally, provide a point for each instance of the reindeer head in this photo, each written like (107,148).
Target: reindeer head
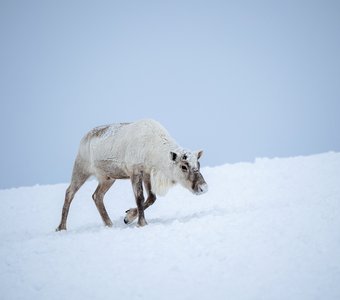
(187,171)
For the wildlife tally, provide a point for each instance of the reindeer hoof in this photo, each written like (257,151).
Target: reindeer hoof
(142,223)
(131,215)
(60,228)
(109,225)
(128,221)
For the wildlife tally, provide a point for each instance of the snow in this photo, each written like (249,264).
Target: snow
(265,230)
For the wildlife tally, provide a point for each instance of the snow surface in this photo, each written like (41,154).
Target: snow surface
(265,230)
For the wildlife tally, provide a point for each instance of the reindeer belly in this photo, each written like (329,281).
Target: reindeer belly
(110,169)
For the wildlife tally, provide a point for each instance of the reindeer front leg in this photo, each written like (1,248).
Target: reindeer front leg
(137,185)
(132,213)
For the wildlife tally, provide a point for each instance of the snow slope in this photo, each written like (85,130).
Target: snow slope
(265,230)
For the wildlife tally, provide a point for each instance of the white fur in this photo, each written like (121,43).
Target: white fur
(140,146)
(160,182)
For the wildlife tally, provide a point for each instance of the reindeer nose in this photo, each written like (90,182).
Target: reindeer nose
(203,188)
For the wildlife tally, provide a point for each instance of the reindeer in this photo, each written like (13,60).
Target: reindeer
(141,151)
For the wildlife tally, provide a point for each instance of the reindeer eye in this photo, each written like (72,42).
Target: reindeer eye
(184,168)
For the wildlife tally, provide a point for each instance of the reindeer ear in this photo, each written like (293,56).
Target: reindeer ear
(173,156)
(199,154)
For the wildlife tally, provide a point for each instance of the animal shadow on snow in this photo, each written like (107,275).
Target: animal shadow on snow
(170,220)
(119,224)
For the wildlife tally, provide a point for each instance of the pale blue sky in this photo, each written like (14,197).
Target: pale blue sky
(238,79)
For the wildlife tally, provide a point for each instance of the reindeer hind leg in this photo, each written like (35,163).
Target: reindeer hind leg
(98,198)
(79,176)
